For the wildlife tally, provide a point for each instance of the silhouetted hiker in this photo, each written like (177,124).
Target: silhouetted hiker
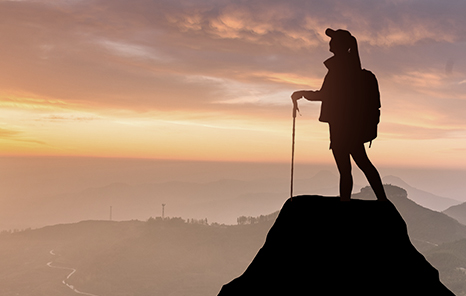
(342,107)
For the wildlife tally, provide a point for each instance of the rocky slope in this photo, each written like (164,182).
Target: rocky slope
(321,244)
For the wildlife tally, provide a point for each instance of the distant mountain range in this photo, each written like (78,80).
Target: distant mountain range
(172,257)
(220,201)
(426,199)
(427,228)
(457,212)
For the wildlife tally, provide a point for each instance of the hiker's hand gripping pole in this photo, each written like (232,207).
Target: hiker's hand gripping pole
(295,108)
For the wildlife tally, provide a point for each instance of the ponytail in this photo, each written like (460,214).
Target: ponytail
(354,53)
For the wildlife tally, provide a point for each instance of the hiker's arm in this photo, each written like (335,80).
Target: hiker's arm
(323,93)
(311,95)
(307,94)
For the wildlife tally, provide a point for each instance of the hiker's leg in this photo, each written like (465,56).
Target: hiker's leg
(343,161)
(362,161)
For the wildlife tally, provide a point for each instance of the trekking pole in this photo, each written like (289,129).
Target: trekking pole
(295,108)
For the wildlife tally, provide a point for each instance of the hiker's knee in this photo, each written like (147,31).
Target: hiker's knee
(342,159)
(363,163)
(360,157)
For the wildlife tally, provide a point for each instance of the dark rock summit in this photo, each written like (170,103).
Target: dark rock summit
(321,246)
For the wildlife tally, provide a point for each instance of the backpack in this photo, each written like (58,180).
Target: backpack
(370,106)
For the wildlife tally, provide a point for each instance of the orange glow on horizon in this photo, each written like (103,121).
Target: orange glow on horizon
(47,127)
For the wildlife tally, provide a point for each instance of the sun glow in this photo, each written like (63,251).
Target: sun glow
(215,84)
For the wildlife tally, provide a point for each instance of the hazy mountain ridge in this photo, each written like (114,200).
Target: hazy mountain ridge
(153,257)
(427,228)
(219,201)
(424,198)
(457,212)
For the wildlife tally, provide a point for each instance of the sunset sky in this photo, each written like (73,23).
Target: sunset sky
(212,79)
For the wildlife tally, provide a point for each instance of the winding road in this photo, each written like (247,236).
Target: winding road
(68,277)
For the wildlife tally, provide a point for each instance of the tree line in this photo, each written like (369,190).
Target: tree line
(243,220)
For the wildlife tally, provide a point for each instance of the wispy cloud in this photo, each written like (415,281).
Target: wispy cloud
(54,117)
(132,50)
(228,58)
(419,132)
(18,136)
(7,133)
(30,102)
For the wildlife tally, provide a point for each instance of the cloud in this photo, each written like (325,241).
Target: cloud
(6,133)
(17,136)
(32,102)
(54,117)
(419,132)
(129,50)
(226,57)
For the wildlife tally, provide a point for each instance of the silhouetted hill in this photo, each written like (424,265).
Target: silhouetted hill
(319,244)
(457,212)
(427,228)
(424,198)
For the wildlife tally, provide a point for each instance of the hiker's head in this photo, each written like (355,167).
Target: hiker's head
(342,41)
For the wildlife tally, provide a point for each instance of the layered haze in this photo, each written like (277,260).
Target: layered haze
(39,191)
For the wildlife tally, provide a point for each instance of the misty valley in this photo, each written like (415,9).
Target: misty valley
(185,256)
(155,257)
